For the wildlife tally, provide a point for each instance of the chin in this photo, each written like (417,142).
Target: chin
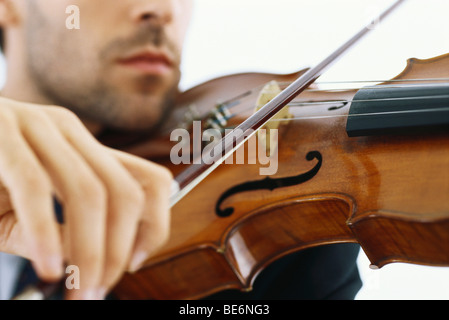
(133,108)
(141,117)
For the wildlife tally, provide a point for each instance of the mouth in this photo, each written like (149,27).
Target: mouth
(147,62)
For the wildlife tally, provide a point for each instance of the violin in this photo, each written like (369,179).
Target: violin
(362,165)
(367,165)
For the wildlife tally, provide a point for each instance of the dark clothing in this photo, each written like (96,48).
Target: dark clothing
(324,272)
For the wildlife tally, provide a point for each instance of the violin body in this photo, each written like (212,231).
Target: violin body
(387,192)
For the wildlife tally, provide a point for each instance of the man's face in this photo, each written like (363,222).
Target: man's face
(120,68)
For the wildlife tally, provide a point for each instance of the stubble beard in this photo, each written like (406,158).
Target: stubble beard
(71,76)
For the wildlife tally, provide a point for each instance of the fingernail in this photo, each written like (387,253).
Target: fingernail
(137,261)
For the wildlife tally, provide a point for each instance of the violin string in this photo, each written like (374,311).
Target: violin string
(363,114)
(232,103)
(342,101)
(258,88)
(235,102)
(376,81)
(368,100)
(376,87)
(356,115)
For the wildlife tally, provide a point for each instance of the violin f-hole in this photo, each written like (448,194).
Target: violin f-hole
(269,184)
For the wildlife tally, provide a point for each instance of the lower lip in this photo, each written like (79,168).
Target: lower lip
(147,66)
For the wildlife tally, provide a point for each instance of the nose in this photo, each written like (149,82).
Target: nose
(159,12)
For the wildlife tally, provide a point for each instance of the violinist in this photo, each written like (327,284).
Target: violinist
(65,87)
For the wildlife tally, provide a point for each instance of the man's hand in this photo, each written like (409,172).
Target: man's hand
(116,206)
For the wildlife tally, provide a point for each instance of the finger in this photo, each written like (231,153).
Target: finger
(125,197)
(83,198)
(5,203)
(154,227)
(31,196)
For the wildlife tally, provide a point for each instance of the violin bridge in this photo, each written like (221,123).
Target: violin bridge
(269,137)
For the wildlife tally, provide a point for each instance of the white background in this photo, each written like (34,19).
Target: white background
(287,35)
